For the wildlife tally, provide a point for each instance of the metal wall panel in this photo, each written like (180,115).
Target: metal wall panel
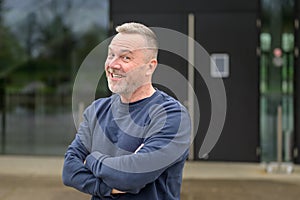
(236,35)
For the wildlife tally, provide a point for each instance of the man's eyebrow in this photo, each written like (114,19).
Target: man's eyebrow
(122,50)
(125,51)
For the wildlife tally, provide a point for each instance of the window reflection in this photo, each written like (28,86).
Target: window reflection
(276,80)
(42,45)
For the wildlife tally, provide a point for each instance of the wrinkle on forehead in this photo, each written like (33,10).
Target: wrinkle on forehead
(128,41)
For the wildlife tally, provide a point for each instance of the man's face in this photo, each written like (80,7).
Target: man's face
(126,64)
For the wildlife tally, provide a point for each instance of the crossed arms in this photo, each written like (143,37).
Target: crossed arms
(102,175)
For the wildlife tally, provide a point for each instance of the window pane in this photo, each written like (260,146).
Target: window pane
(45,43)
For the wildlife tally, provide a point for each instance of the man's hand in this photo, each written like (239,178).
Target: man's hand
(115,191)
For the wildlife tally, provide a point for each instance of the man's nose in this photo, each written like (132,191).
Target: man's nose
(114,63)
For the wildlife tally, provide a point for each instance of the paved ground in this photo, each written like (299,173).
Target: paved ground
(32,178)
(239,190)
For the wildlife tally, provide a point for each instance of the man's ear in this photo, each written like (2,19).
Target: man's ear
(151,67)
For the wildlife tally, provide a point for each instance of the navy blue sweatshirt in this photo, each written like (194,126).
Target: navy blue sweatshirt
(138,148)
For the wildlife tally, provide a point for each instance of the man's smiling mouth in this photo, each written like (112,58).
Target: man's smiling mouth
(114,75)
(117,76)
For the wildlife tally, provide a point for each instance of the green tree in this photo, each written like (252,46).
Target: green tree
(11,53)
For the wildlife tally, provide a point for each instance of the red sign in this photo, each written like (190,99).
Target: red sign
(277,52)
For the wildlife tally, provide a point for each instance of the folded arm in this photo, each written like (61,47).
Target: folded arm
(76,175)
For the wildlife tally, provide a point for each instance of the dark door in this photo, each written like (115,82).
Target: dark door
(234,34)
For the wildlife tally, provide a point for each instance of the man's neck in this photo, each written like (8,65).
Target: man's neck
(139,94)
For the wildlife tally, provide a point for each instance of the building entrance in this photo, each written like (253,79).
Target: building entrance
(277,80)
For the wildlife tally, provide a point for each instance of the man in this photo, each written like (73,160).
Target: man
(132,145)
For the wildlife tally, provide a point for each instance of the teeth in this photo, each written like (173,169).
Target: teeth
(110,70)
(117,76)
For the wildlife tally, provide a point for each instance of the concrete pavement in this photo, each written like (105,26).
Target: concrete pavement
(27,177)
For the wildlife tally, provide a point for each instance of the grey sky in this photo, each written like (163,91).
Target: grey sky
(82,15)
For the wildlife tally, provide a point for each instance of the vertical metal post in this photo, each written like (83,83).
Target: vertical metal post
(191,59)
(279,166)
(279,136)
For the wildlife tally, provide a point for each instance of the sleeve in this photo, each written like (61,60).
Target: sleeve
(75,174)
(168,143)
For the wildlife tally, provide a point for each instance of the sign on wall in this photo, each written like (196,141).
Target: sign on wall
(219,65)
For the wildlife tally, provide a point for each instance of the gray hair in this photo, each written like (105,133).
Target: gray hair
(147,33)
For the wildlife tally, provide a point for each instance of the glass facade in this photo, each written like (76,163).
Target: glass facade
(277,78)
(43,44)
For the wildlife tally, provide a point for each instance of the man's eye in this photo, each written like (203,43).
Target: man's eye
(126,58)
(111,55)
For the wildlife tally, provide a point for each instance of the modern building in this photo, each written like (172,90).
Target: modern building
(251,48)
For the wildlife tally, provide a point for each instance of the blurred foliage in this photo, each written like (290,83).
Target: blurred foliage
(45,51)
(11,53)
